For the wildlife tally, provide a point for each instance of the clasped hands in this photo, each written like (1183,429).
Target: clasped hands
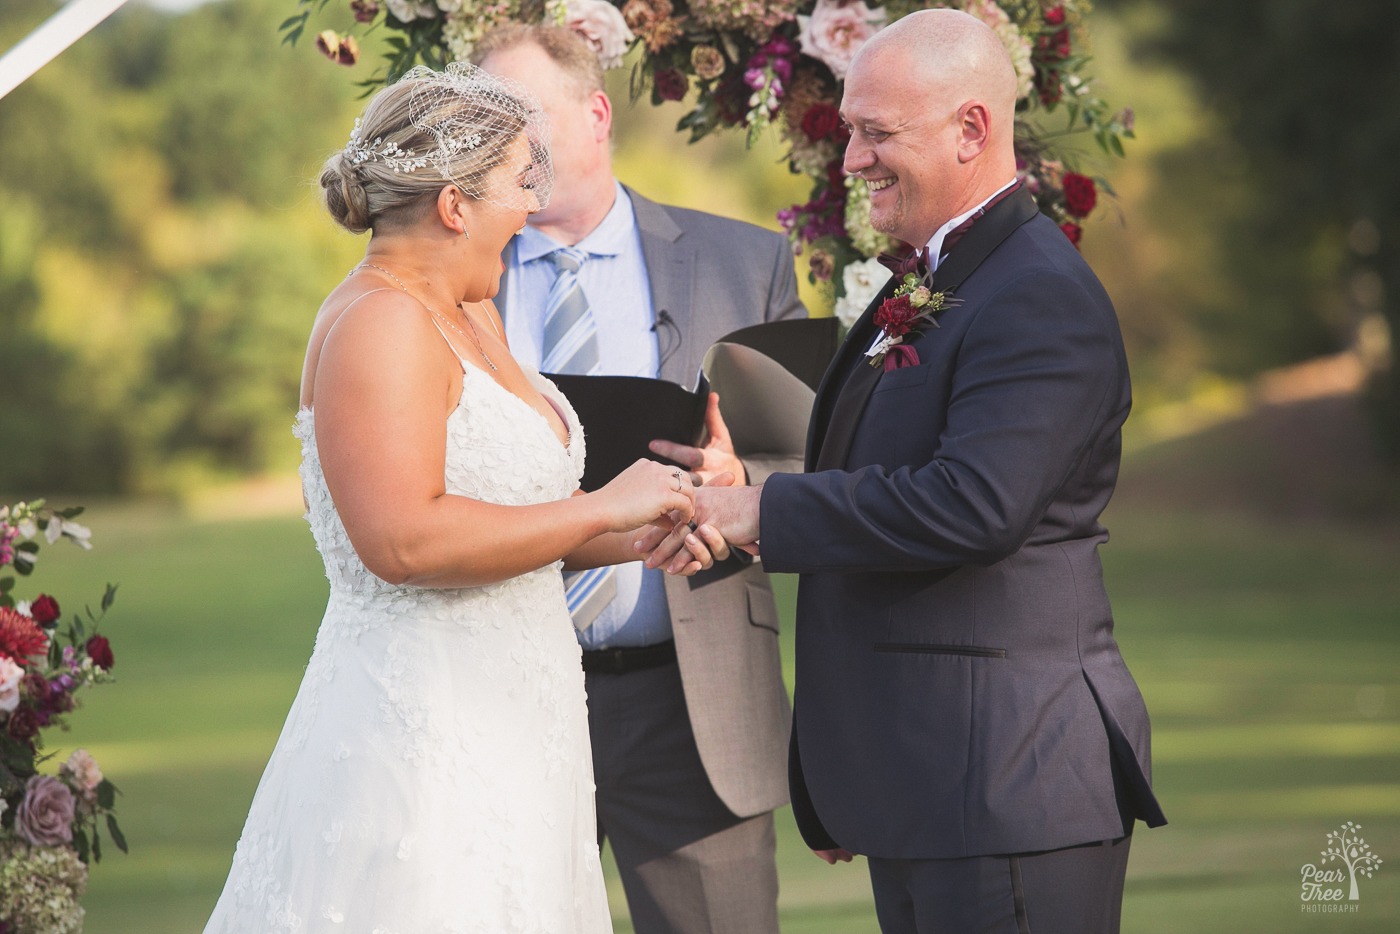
(726,511)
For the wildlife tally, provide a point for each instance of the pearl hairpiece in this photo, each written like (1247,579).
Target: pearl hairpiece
(400,160)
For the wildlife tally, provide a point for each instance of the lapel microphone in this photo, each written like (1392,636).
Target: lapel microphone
(666,348)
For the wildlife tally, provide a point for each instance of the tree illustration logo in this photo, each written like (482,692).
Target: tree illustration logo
(1345,847)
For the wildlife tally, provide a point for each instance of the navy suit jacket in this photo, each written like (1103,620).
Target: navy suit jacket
(958,688)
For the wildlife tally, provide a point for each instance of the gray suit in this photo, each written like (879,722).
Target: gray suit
(690,759)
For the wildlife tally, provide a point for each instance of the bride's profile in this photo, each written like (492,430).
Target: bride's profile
(433,774)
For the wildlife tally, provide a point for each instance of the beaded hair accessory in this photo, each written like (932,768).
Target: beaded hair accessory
(490,136)
(358,151)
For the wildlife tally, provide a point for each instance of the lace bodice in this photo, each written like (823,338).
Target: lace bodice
(499,450)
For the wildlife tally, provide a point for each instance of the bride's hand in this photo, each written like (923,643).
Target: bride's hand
(701,548)
(648,493)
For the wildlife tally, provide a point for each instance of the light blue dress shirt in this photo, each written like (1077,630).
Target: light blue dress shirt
(614,280)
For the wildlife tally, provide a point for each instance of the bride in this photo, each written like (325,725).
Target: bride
(433,774)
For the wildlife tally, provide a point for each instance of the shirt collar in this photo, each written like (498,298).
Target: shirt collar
(935,243)
(609,238)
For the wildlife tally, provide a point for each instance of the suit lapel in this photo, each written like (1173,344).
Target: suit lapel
(982,239)
(847,358)
(671,270)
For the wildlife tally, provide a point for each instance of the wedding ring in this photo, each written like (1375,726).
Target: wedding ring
(692,525)
(680,484)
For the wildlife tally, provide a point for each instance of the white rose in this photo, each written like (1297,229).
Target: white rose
(406,11)
(863,282)
(602,25)
(11,678)
(835,32)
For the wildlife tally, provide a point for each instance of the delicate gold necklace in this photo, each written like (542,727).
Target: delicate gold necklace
(473,337)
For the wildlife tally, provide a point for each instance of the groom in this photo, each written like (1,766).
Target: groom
(963,717)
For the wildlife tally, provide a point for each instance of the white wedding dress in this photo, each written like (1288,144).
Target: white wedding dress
(434,772)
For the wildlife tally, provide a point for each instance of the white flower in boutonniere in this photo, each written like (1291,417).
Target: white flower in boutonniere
(911,307)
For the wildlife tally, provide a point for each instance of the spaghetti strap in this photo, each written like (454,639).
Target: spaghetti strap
(431,317)
(460,359)
(351,303)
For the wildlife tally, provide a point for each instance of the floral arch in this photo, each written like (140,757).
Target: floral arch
(752,65)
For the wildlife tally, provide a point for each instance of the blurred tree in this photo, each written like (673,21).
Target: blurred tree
(161,248)
(1304,87)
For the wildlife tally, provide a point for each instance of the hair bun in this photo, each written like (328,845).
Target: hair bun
(344,194)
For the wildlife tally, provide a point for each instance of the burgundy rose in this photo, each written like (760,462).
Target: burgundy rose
(896,316)
(1080,194)
(732,99)
(1055,16)
(1047,85)
(1073,231)
(45,816)
(100,651)
(820,121)
(44,610)
(36,686)
(671,85)
(23,725)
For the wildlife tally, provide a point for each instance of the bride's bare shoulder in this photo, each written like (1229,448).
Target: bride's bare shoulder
(370,331)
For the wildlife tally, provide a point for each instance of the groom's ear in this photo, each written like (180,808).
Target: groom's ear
(600,113)
(974,130)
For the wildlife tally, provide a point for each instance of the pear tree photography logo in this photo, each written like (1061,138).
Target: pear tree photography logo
(1330,886)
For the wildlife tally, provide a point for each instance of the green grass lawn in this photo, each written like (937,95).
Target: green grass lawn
(1268,654)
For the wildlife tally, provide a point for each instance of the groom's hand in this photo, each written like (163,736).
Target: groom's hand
(716,457)
(733,511)
(832,857)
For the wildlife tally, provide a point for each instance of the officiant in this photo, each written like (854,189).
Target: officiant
(687,709)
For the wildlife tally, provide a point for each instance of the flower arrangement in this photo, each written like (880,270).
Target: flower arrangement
(49,824)
(911,306)
(755,64)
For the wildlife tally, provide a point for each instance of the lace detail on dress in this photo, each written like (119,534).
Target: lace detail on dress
(433,774)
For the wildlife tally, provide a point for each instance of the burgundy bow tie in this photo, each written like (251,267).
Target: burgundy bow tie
(915,261)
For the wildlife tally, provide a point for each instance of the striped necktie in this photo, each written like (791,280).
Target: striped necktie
(570,333)
(571,346)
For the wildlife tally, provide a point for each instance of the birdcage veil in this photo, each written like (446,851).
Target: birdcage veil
(485,134)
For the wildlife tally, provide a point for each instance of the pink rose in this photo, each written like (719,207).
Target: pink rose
(602,25)
(835,32)
(82,773)
(45,816)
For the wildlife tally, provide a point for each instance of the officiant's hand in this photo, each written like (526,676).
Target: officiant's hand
(716,457)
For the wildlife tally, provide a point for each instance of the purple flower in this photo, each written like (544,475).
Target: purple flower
(45,816)
(755,78)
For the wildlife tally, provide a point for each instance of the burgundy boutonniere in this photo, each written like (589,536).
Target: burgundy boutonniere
(911,307)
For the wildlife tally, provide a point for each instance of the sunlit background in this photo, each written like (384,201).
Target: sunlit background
(162,252)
